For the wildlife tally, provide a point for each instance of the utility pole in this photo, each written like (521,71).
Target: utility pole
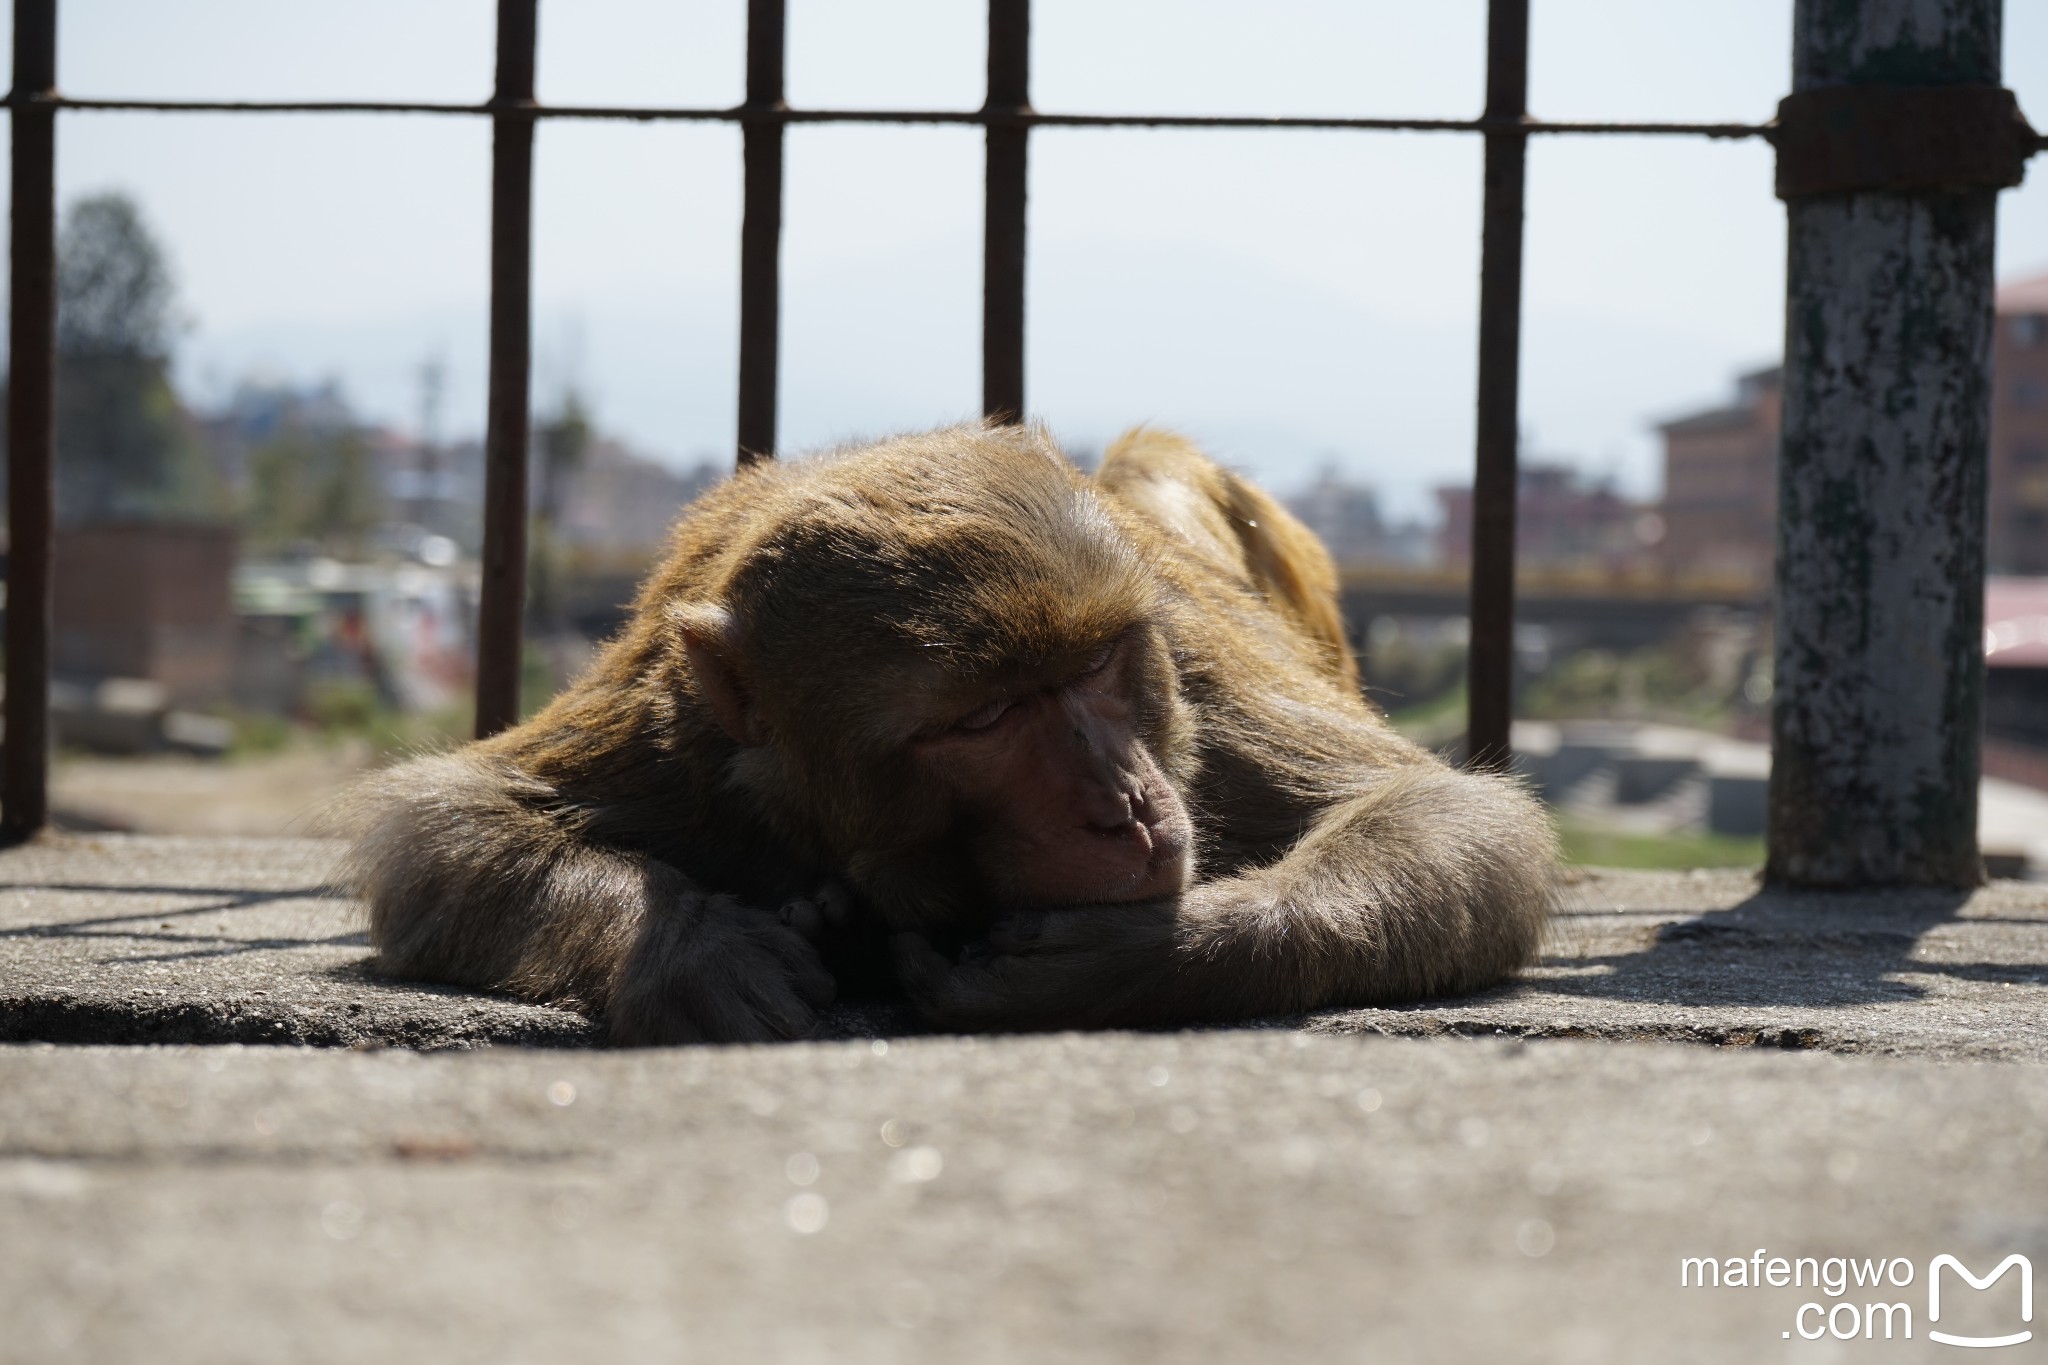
(431,495)
(1892,148)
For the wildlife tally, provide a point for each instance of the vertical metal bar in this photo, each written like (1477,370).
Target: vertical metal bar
(31,423)
(1880,616)
(499,628)
(761,229)
(1490,679)
(1002,287)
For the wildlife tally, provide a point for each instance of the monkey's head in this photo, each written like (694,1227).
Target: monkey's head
(948,669)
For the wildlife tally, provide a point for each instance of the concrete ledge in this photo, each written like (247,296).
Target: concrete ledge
(1226,1196)
(1710,957)
(136,939)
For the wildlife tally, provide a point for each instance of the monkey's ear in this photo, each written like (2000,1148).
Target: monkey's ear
(711,643)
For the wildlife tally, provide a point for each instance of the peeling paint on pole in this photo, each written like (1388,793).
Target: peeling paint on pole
(1880,661)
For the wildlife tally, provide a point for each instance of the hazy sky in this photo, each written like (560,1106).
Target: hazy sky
(1292,298)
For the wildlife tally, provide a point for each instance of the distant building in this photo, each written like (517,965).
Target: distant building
(2016,679)
(620,502)
(1721,484)
(1346,517)
(617,501)
(1563,520)
(436,488)
(1721,466)
(260,412)
(405,631)
(2018,541)
(146,601)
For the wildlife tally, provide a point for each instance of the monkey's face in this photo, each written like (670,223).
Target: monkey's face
(951,673)
(1033,774)
(1055,792)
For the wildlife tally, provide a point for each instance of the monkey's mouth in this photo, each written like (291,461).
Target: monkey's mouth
(1167,866)
(1073,866)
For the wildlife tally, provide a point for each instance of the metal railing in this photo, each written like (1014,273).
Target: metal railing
(1007,117)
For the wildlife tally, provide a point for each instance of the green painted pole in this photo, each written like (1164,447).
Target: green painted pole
(1880,589)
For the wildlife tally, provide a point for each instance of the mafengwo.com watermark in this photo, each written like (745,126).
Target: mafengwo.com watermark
(1885,1298)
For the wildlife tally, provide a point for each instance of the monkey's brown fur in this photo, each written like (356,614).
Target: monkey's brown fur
(780,724)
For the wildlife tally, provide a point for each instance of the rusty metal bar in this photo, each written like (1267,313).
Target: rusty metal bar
(1491,667)
(1003,220)
(1875,727)
(500,617)
(31,427)
(977,117)
(761,228)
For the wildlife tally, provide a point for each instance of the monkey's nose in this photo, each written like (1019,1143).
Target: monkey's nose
(1106,809)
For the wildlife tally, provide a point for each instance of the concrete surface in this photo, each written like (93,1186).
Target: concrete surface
(1316,1192)
(126,939)
(1214,1197)
(138,939)
(279,793)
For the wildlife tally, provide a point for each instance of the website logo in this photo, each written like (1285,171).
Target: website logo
(1859,1295)
(1934,1268)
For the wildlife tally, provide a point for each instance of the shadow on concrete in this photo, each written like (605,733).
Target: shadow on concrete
(1704,958)
(128,928)
(1815,949)
(859,1017)
(224,898)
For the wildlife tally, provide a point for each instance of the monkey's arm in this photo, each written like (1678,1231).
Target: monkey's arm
(480,876)
(1430,882)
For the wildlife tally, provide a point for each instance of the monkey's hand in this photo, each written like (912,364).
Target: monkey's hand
(1430,882)
(710,969)
(1091,966)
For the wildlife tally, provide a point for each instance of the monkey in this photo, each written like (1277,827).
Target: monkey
(1055,750)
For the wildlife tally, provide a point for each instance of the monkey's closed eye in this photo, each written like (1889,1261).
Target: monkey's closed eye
(985,717)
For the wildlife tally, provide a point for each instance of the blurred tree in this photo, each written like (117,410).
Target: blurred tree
(126,449)
(312,488)
(561,445)
(114,290)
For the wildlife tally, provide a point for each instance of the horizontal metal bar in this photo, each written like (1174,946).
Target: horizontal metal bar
(1415,125)
(991,117)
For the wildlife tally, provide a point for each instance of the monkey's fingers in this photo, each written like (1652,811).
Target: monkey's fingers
(749,998)
(776,1003)
(927,974)
(802,967)
(919,966)
(829,907)
(835,903)
(749,1012)
(743,977)
(804,916)
(946,992)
